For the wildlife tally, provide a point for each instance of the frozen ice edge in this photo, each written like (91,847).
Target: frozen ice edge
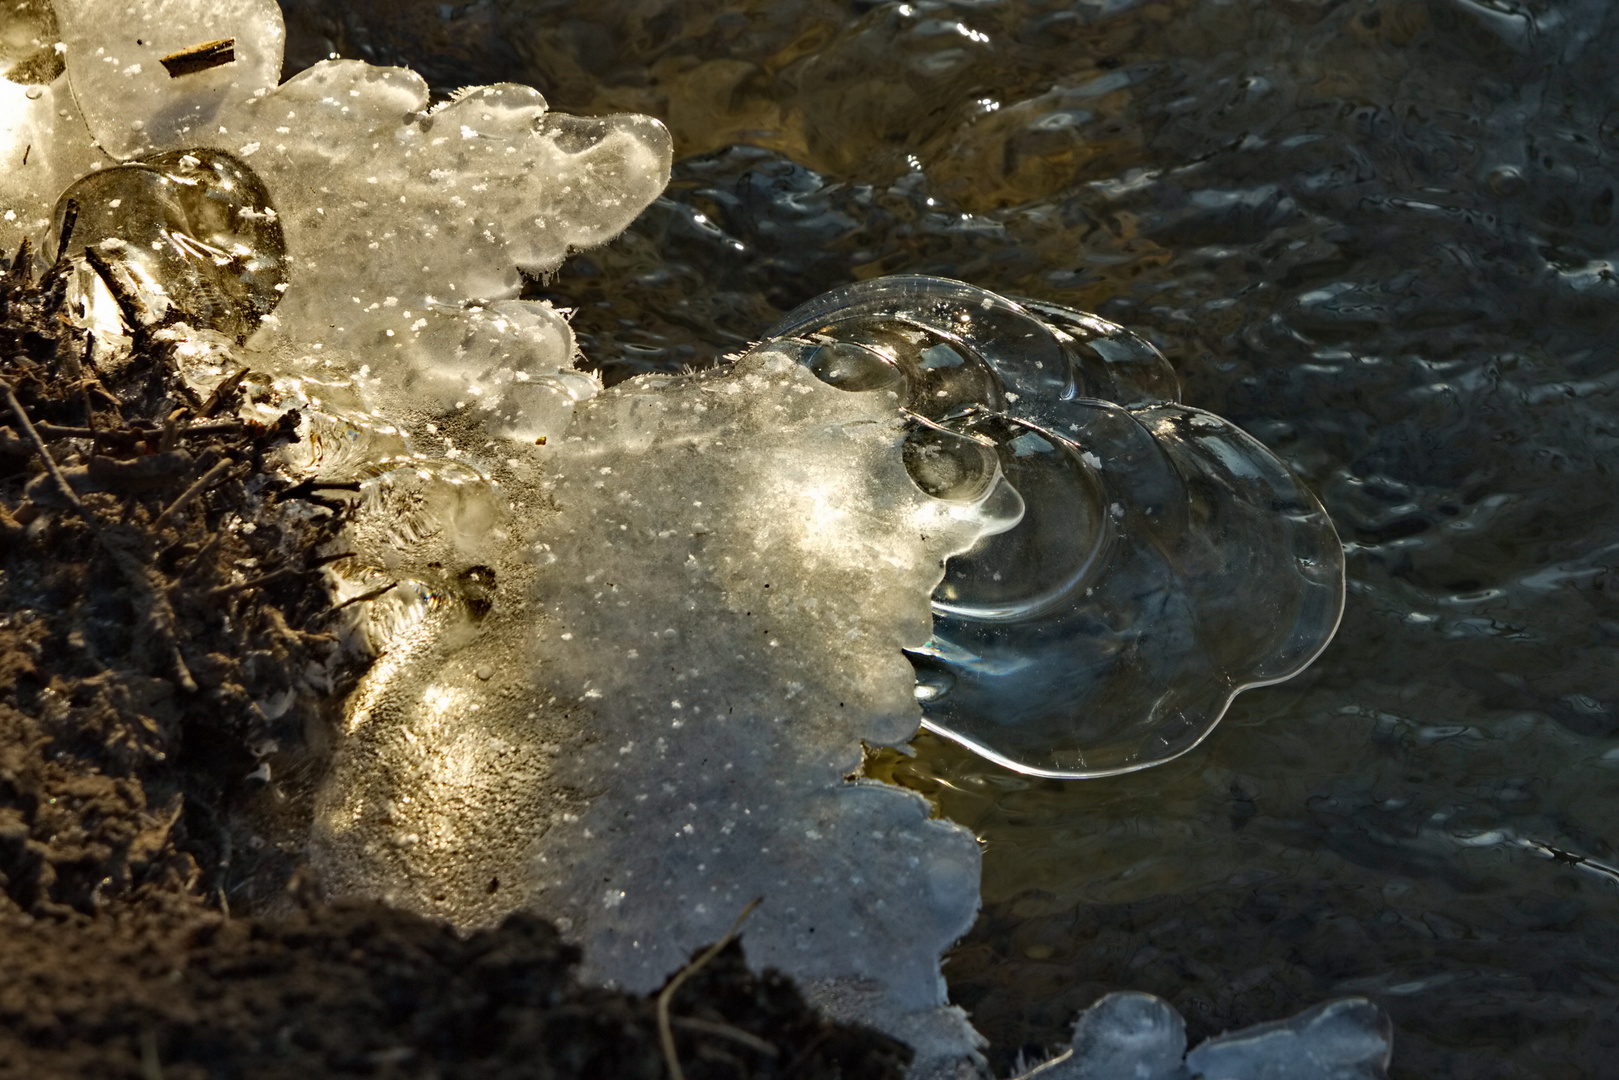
(331,170)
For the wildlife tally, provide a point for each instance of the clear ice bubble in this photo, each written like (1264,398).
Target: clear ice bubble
(191,233)
(1158,561)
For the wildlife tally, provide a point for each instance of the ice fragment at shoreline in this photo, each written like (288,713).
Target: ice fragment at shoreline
(1164,560)
(1131,1036)
(590,701)
(703,621)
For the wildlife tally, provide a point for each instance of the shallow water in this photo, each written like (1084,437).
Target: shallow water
(1376,235)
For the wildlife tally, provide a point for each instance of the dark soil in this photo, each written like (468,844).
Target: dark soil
(167,663)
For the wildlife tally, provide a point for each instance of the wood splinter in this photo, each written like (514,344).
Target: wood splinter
(209,54)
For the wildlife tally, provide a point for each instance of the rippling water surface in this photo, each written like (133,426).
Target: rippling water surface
(1375,233)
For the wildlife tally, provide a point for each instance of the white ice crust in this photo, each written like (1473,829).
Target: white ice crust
(703,589)
(724,575)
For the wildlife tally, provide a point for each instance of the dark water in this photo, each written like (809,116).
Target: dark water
(1377,235)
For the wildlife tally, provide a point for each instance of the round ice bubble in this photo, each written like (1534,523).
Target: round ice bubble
(191,232)
(1164,560)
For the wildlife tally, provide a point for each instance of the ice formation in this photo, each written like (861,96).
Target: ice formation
(1165,559)
(640,772)
(1128,1036)
(405,224)
(630,643)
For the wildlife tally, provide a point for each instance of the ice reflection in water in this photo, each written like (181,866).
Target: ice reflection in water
(1161,559)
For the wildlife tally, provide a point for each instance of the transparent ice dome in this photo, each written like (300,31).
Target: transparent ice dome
(1164,560)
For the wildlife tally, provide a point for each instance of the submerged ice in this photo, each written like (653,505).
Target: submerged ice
(1163,561)
(630,644)
(1129,1036)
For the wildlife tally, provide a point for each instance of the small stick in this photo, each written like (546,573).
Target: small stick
(59,431)
(363,597)
(666,1033)
(203,483)
(21,272)
(29,430)
(251,583)
(223,427)
(201,57)
(151,1064)
(222,393)
(804,1054)
(202,554)
(129,306)
(304,488)
(70,219)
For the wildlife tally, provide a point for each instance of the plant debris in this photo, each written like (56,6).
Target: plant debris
(209,54)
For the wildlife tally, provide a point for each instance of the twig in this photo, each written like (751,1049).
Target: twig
(666,1033)
(151,1064)
(127,434)
(222,393)
(804,1054)
(201,555)
(208,54)
(301,638)
(305,489)
(203,483)
(161,613)
(22,272)
(129,305)
(363,597)
(251,583)
(70,219)
(29,430)
(726,1031)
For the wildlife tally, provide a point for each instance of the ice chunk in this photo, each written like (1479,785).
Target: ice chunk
(1349,1039)
(404,223)
(44,147)
(654,721)
(191,229)
(131,102)
(1131,1036)
(1163,560)
(1124,1036)
(625,677)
